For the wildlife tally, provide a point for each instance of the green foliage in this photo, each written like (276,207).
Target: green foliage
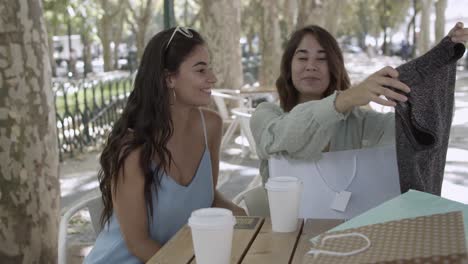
(363,18)
(55,16)
(80,13)
(392,12)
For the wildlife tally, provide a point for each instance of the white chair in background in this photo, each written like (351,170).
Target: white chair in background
(220,95)
(93,203)
(242,115)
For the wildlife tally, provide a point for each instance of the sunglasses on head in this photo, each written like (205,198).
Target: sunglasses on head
(182,30)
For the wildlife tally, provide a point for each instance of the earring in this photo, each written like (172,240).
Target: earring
(174,95)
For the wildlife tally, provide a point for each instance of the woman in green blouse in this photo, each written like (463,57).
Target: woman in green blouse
(318,112)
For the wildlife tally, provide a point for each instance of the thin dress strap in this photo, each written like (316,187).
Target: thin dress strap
(204,127)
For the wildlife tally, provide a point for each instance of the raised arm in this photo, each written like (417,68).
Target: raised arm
(302,133)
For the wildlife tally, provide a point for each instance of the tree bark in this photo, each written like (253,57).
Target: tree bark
(220,26)
(87,56)
(186,6)
(51,56)
(105,30)
(424,34)
(140,18)
(384,25)
(440,6)
(29,188)
(290,13)
(332,17)
(270,44)
(385,49)
(310,12)
(118,33)
(53,32)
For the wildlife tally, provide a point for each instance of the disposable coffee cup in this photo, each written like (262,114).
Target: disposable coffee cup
(212,230)
(284,199)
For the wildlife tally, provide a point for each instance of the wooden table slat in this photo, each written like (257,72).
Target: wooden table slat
(180,243)
(312,228)
(253,242)
(270,248)
(244,234)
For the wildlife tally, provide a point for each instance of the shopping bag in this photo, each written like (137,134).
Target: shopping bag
(437,238)
(342,184)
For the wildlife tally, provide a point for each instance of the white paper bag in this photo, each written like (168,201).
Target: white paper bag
(367,177)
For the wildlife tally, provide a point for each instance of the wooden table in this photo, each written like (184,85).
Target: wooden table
(253,242)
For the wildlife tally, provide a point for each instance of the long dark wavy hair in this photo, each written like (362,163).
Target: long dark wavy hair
(146,121)
(339,79)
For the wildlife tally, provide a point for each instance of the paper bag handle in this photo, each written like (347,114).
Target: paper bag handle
(316,252)
(329,186)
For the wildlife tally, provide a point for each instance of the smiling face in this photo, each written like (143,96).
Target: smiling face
(309,69)
(194,79)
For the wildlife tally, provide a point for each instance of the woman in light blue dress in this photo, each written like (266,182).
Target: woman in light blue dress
(161,159)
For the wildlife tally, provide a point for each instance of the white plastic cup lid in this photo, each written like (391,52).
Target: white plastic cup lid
(212,218)
(283,183)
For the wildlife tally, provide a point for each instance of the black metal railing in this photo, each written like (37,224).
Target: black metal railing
(86,110)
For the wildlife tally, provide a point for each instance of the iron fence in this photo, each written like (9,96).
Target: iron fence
(86,110)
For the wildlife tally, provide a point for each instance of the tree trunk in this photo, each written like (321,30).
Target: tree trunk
(364,22)
(140,39)
(29,188)
(270,44)
(186,6)
(105,30)
(141,16)
(104,35)
(332,17)
(424,34)
(440,7)
(385,42)
(118,32)
(87,56)
(51,56)
(169,15)
(250,38)
(362,40)
(384,25)
(409,27)
(310,12)
(220,26)
(290,13)
(52,32)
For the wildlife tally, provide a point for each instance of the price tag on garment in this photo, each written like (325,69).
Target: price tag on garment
(341,201)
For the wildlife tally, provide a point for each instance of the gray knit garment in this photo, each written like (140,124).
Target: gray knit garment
(423,122)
